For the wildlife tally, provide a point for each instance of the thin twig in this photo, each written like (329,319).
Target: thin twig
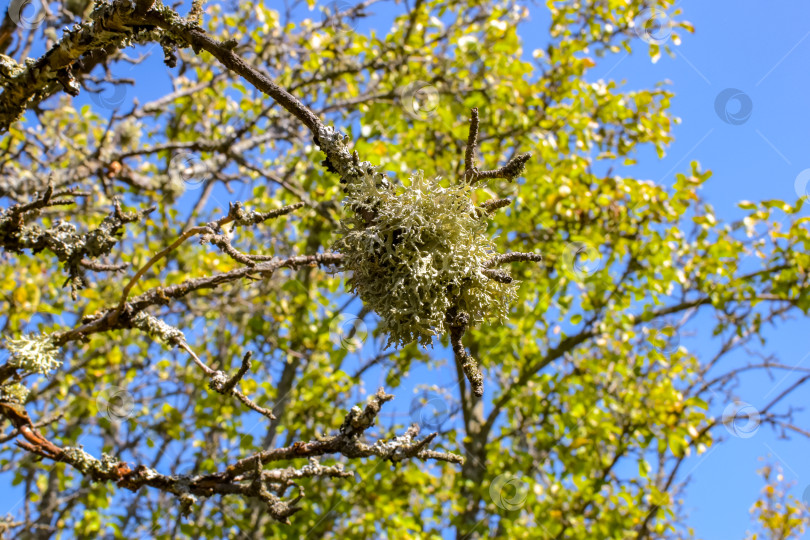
(504,258)
(470,168)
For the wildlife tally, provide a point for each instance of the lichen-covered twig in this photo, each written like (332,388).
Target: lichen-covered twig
(470,167)
(113,319)
(111,26)
(236,215)
(223,385)
(493,205)
(247,477)
(347,442)
(224,243)
(501,276)
(219,380)
(458,323)
(513,168)
(233,381)
(101,267)
(246,219)
(188,33)
(516,256)
(510,171)
(75,250)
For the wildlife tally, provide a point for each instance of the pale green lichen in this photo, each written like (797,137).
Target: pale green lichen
(34,354)
(87,464)
(14,393)
(9,69)
(417,251)
(156,328)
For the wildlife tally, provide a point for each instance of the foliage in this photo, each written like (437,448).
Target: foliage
(591,406)
(778,514)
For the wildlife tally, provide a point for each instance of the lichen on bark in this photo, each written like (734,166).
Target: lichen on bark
(421,253)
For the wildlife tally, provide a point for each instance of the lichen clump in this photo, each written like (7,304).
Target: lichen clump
(417,251)
(33,353)
(14,393)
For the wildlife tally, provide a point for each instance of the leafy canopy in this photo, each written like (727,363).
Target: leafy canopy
(591,406)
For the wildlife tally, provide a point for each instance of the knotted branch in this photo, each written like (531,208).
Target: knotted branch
(513,168)
(247,477)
